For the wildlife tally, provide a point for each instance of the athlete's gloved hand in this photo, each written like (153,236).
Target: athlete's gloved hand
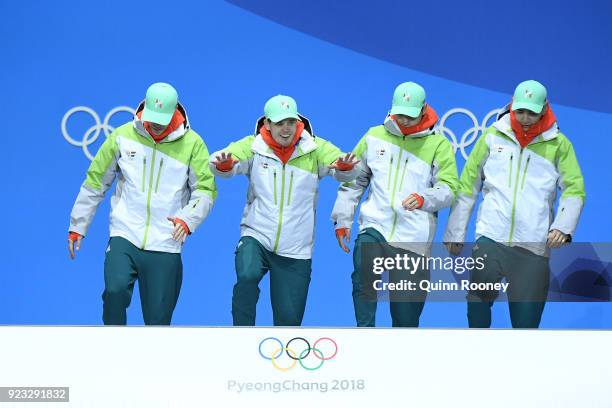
(225,162)
(72,238)
(413,202)
(345,163)
(556,239)
(346,234)
(181,230)
(454,248)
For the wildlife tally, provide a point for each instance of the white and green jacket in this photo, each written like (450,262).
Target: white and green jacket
(281,198)
(519,187)
(395,166)
(155,181)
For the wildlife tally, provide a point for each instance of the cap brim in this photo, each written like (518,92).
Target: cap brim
(283,116)
(413,112)
(534,107)
(156,117)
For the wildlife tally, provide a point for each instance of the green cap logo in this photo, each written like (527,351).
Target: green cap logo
(160,103)
(529,95)
(408,99)
(281,107)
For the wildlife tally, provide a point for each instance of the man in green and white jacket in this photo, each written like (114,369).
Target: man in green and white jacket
(284,162)
(519,164)
(411,172)
(164,192)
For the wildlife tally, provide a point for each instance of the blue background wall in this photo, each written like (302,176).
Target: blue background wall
(340,60)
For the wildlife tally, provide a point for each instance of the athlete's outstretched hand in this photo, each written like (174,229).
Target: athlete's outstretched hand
(224,162)
(345,163)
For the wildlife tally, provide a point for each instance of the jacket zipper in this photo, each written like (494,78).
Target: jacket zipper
(290,188)
(525,173)
(390,171)
(144,172)
(144,240)
(161,163)
(516,184)
(280,211)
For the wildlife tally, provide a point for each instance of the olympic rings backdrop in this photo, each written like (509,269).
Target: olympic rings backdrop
(73,71)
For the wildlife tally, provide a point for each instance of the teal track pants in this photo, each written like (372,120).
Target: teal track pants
(406,310)
(159,276)
(528,276)
(289,281)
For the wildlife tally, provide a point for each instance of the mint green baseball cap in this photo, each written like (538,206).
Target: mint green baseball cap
(160,103)
(281,107)
(408,99)
(529,95)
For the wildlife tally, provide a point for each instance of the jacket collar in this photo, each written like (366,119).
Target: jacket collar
(305,145)
(392,128)
(176,134)
(503,125)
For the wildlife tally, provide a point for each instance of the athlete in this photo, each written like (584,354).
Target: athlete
(519,164)
(164,192)
(283,162)
(411,172)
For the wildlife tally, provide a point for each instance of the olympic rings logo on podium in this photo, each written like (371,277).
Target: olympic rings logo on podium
(91,134)
(298,350)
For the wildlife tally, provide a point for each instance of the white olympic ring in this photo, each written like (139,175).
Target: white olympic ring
(470,135)
(88,138)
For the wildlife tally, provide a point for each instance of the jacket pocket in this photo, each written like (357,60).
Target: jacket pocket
(161,165)
(525,173)
(403,175)
(144,172)
(275,199)
(290,188)
(390,171)
(510,170)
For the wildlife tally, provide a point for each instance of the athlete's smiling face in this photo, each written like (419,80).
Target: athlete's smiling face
(283,131)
